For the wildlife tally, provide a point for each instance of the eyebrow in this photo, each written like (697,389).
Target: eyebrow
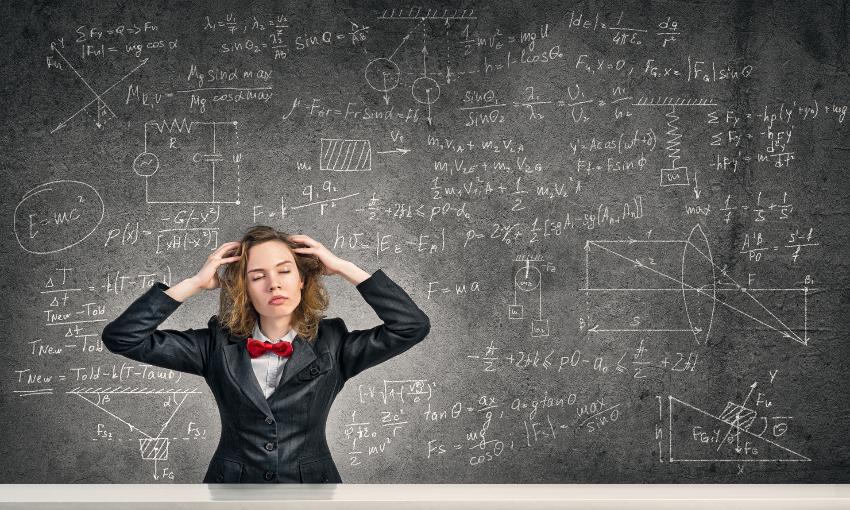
(277,265)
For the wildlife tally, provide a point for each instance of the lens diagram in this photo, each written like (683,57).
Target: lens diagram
(673,286)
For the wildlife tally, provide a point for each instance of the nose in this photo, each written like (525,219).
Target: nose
(275,283)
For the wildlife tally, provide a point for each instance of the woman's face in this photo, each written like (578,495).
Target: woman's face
(272,273)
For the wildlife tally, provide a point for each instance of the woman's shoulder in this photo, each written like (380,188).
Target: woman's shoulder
(326,321)
(331,327)
(216,325)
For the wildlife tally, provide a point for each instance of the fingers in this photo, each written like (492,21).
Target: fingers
(310,244)
(224,248)
(303,239)
(225,260)
(230,244)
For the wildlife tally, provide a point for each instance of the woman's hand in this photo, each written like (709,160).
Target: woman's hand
(332,263)
(207,277)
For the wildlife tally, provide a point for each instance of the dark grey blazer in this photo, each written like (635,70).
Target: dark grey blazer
(282,438)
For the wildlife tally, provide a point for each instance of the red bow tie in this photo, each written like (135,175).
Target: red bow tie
(258,348)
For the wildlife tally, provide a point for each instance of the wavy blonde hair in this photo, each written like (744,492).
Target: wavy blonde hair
(235,309)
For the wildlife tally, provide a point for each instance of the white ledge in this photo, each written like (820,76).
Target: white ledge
(423,496)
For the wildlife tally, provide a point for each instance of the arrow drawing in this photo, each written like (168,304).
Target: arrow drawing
(97,97)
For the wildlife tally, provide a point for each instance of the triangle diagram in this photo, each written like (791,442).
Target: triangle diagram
(698,436)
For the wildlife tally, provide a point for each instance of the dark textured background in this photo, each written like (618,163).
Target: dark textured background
(799,53)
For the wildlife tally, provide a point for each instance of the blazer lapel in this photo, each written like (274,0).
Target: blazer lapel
(239,363)
(302,355)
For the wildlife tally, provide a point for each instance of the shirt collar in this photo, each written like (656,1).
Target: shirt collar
(258,334)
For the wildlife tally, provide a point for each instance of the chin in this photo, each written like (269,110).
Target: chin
(281,312)
(278,312)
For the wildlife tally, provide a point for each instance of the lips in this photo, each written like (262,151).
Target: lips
(277,300)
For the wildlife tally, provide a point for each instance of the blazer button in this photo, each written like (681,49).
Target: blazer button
(269,446)
(220,478)
(314,370)
(269,420)
(269,475)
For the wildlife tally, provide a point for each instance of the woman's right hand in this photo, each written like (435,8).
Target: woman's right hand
(207,277)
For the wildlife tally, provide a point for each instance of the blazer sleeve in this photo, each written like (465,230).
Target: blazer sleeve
(404,326)
(133,334)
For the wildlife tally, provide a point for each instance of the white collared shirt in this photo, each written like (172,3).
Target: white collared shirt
(268,367)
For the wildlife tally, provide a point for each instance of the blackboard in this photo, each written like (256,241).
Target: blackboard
(627,222)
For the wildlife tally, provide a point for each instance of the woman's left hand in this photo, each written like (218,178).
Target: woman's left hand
(332,263)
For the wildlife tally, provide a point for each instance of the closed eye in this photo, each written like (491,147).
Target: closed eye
(261,277)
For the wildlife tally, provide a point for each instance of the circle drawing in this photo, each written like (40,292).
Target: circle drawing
(425,90)
(382,74)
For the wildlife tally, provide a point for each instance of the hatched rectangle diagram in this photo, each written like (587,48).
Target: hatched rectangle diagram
(339,155)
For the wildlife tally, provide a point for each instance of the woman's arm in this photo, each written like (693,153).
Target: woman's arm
(404,325)
(352,273)
(184,290)
(134,335)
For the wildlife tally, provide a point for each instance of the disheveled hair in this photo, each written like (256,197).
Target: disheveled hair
(235,309)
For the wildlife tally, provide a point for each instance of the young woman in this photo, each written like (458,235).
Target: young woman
(272,361)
